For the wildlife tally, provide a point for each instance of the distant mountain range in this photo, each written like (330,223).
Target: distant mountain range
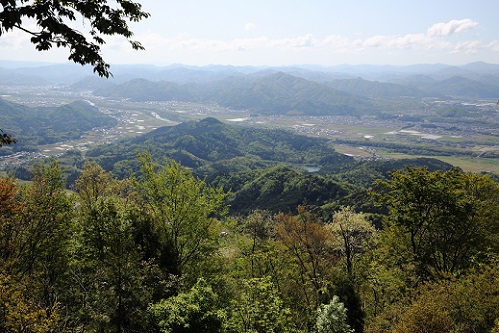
(69,73)
(283,93)
(305,90)
(277,93)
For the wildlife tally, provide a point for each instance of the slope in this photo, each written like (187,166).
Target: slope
(276,93)
(209,146)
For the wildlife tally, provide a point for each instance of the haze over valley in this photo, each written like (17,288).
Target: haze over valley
(371,112)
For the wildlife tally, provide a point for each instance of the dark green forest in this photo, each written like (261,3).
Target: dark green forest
(206,227)
(258,168)
(162,251)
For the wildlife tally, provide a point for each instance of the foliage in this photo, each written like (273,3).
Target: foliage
(259,248)
(354,235)
(20,311)
(181,210)
(93,183)
(192,311)
(425,316)
(259,309)
(467,304)
(6,139)
(331,318)
(33,252)
(111,282)
(439,221)
(54,28)
(309,247)
(156,253)
(38,229)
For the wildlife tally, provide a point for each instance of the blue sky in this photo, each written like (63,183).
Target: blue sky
(278,32)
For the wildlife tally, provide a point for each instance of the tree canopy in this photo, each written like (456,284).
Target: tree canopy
(157,253)
(54,18)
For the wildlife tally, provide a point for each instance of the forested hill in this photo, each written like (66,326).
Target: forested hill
(277,93)
(376,89)
(211,146)
(261,168)
(44,125)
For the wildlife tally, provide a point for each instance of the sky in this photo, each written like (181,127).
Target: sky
(292,32)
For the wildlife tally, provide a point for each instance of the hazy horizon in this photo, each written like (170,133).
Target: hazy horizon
(16,64)
(294,33)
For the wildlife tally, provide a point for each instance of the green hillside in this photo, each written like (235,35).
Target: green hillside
(277,189)
(277,93)
(281,93)
(42,125)
(262,169)
(374,89)
(210,146)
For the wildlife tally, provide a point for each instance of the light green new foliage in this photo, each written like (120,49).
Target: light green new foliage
(259,309)
(182,209)
(192,311)
(332,318)
(354,235)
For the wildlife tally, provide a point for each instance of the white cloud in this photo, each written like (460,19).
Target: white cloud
(494,46)
(468,47)
(433,39)
(338,43)
(296,42)
(335,43)
(436,39)
(451,28)
(17,39)
(409,41)
(248,44)
(376,41)
(249,26)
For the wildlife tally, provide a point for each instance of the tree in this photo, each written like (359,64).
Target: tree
(33,252)
(92,184)
(425,315)
(181,212)
(353,236)
(467,304)
(308,245)
(259,309)
(107,273)
(258,247)
(10,229)
(332,318)
(192,311)
(6,139)
(20,308)
(54,18)
(34,222)
(439,222)
(112,280)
